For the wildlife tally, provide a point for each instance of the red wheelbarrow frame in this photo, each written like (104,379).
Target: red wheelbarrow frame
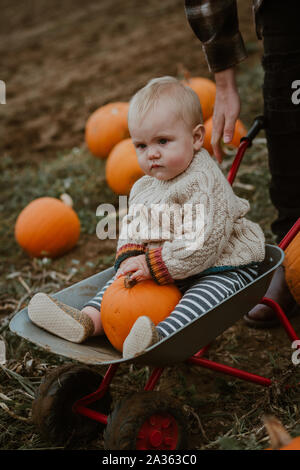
(81,406)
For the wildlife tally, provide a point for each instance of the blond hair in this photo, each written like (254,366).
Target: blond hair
(185,99)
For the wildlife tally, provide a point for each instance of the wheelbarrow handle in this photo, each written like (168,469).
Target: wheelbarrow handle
(258,124)
(245,143)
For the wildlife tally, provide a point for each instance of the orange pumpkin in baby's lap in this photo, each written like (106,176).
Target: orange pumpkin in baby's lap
(124,301)
(292,267)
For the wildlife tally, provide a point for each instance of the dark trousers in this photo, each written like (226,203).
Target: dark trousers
(281,63)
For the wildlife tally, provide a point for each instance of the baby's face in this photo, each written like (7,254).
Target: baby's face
(164,144)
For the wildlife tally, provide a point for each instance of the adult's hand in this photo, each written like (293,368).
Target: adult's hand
(226,110)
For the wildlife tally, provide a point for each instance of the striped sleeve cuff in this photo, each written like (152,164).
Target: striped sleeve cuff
(157,267)
(126,251)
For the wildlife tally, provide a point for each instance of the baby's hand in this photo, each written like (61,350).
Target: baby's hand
(137,265)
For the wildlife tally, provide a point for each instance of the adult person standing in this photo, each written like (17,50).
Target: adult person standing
(215,23)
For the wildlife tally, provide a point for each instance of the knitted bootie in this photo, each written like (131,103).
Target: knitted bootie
(60,319)
(141,336)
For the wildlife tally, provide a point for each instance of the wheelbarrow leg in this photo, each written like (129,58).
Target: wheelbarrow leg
(81,405)
(281,316)
(154,378)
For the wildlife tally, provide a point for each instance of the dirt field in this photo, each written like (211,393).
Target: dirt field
(60,61)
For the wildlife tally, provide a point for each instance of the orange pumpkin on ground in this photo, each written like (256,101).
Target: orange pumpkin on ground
(239,132)
(106,127)
(294,444)
(206,91)
(122,167)
(47,227)
(292,267)
(124,301)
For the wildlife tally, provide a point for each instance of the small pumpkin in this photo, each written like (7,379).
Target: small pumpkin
(206,91)
(122,168)
(279,437)
(292,267)
(47,227)
(106,127)
(125,300)
(239,132)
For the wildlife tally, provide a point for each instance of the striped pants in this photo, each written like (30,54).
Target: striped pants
(200,294)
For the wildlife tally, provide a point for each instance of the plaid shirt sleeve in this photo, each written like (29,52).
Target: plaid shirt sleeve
(215,23)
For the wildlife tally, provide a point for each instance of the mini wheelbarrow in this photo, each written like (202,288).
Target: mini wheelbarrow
(74,400)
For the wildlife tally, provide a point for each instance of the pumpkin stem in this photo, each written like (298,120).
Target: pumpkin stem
(128,282)
(279,437)
(66,199)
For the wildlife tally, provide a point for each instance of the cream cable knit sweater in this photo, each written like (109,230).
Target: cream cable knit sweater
(229,239)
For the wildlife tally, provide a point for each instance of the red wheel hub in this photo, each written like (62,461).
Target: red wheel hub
(159,432)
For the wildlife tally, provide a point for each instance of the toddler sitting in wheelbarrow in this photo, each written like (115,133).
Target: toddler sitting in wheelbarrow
(166,127)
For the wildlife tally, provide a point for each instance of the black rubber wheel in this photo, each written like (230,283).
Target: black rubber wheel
(147,421)
(52,409)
